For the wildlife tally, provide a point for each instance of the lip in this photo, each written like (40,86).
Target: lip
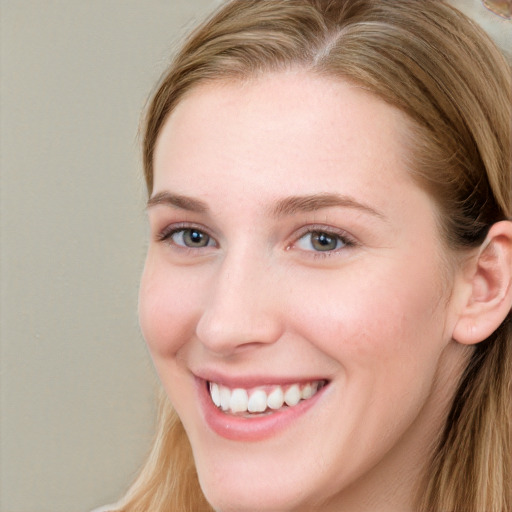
(237,428)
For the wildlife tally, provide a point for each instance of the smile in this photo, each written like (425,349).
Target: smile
(245,410)
(261,400)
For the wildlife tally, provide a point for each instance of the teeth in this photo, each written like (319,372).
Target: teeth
(307,392)
(292,396)
(225,398)
(276,399)
(240,400)
(258,401)
(215,394)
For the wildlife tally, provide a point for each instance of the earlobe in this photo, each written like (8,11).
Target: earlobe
(488,298)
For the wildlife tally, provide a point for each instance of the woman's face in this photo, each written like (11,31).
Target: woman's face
(293,299)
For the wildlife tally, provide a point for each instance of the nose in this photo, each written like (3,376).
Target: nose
(242,307)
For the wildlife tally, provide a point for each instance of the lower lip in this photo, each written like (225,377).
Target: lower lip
(237,428)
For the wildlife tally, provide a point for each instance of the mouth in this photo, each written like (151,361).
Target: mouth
(255,409)
(263,400)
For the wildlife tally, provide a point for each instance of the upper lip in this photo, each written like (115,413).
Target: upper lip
(254,380)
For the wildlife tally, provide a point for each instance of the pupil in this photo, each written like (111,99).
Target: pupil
(196,237)
(324,242)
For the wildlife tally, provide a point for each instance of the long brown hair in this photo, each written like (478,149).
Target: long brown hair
(431,62)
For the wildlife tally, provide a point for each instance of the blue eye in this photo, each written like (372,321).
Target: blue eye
(321,241)
(191,238)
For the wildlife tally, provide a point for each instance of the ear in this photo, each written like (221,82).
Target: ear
(487,291)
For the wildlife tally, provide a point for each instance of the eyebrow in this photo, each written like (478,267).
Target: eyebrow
(177,201)
(309,203)
(284,207)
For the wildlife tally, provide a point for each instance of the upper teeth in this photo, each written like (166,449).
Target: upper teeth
(256,400)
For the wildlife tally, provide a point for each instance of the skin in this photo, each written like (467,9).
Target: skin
(374,316)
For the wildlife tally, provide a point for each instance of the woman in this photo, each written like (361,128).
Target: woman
(327,290)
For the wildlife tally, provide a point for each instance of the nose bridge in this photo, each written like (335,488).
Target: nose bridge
(241,308)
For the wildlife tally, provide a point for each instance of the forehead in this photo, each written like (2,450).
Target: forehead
(290,130)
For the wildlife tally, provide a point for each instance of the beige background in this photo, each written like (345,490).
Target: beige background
(76,388)
(76,384)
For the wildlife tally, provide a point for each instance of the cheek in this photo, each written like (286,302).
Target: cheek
(388,316)
(167,306)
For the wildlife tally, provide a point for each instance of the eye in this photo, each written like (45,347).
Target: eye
(321,241)
(190,237)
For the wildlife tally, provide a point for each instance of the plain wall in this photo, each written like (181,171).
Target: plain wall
(76,383)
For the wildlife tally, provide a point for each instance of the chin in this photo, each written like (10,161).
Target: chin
(260,487)
(265,496)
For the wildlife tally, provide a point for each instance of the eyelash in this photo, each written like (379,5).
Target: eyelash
(167,233)
(339,236)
